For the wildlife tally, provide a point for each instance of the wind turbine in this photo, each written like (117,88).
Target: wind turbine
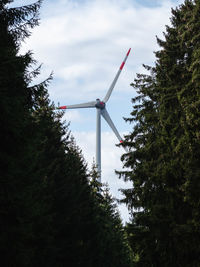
(101,111)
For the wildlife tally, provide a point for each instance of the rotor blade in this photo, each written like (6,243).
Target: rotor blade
(106,116)
(83,105)
(116,78)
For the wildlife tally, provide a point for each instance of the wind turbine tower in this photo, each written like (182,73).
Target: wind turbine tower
(101,111)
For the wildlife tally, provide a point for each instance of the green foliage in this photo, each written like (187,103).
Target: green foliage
(17,183)
(164,150)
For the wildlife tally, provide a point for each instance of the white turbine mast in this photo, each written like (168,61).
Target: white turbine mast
(101,111)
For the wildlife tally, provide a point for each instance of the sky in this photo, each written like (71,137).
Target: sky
(84,42)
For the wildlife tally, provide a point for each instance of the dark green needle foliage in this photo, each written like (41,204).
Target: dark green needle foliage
(164,158)
(16,156)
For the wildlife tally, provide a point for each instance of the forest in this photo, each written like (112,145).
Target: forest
(53,210)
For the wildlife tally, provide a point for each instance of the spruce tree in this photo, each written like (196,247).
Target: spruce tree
(16,198)
(164,150)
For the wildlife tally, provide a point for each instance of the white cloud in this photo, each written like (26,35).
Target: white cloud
(74,71)
(73,115)
(89,40)
(84,42)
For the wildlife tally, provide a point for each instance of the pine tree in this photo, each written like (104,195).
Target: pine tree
(164,150)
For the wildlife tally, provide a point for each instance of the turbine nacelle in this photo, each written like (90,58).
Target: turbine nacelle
(100,104)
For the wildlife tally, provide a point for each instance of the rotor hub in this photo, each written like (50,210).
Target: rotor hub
(100,104)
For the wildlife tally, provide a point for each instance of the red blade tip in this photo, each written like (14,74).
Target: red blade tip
(62,107)
(128,52)
(121,141)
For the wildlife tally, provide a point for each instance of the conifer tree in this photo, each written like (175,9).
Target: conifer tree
(164,150)
(16,193)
